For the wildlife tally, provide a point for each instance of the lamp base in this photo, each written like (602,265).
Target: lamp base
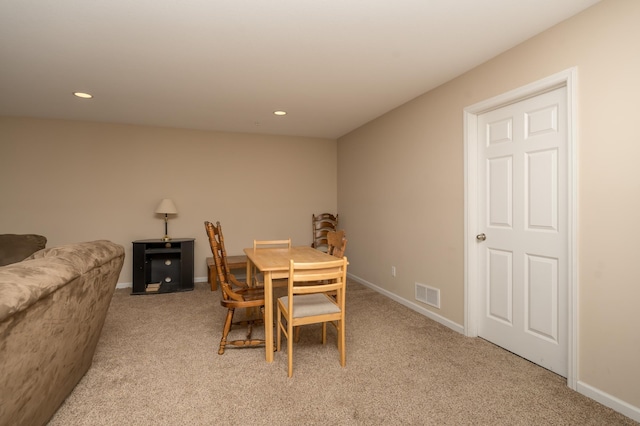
(166,238)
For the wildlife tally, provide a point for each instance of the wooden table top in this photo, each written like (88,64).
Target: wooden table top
(277,259)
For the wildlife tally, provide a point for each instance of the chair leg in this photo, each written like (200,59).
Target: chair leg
(278,329)
(249,330)
(290,347)
(324,333)
(342,342)
(225,330)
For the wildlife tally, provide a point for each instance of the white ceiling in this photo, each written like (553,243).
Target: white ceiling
(333,65)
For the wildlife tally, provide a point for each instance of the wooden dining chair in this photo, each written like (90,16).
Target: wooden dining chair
(312,304)
(336,243)
(235,294)
(272,243)
(336,246)
(321,224)
(258,280)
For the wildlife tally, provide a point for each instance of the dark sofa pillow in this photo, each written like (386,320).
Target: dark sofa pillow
(15,247)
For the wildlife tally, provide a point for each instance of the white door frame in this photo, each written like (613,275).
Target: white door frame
(564,78)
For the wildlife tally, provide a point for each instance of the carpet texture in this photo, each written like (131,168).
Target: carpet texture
(157,363)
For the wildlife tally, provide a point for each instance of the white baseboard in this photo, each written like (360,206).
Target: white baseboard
(597,395)
(609,400)
(411,305)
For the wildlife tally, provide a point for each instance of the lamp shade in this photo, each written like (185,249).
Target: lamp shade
(166,206)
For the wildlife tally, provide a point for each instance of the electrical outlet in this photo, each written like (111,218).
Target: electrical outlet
(393,271)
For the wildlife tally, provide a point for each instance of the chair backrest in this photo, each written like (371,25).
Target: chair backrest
(318,277)
(226,278)
(336,243)
(271,243)
(321,224)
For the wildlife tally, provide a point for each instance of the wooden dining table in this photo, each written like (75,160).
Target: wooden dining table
(274,264)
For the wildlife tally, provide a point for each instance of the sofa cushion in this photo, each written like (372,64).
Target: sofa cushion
(15,247)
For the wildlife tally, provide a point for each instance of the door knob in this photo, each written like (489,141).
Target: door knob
(481,237)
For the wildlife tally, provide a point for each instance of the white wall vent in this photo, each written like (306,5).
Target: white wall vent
(428,295)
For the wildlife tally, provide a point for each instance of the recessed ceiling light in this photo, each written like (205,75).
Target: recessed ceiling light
(83,95)
(280,112)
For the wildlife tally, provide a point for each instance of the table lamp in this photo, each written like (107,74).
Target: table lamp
(166,207)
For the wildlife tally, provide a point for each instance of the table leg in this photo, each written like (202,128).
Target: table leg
(268,315)
(249,269)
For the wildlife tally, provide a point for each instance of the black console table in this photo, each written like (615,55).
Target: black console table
(162,266)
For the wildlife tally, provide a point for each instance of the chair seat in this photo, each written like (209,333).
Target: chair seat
(306,305)
(248,298)
(251,293)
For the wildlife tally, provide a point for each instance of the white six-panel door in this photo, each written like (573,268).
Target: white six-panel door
(523,236)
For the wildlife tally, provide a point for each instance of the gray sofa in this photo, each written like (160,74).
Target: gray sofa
(52,308)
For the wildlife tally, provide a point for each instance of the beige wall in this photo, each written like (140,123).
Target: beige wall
(74,181)
(401,188)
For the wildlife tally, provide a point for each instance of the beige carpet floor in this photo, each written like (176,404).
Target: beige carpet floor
(157,364)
